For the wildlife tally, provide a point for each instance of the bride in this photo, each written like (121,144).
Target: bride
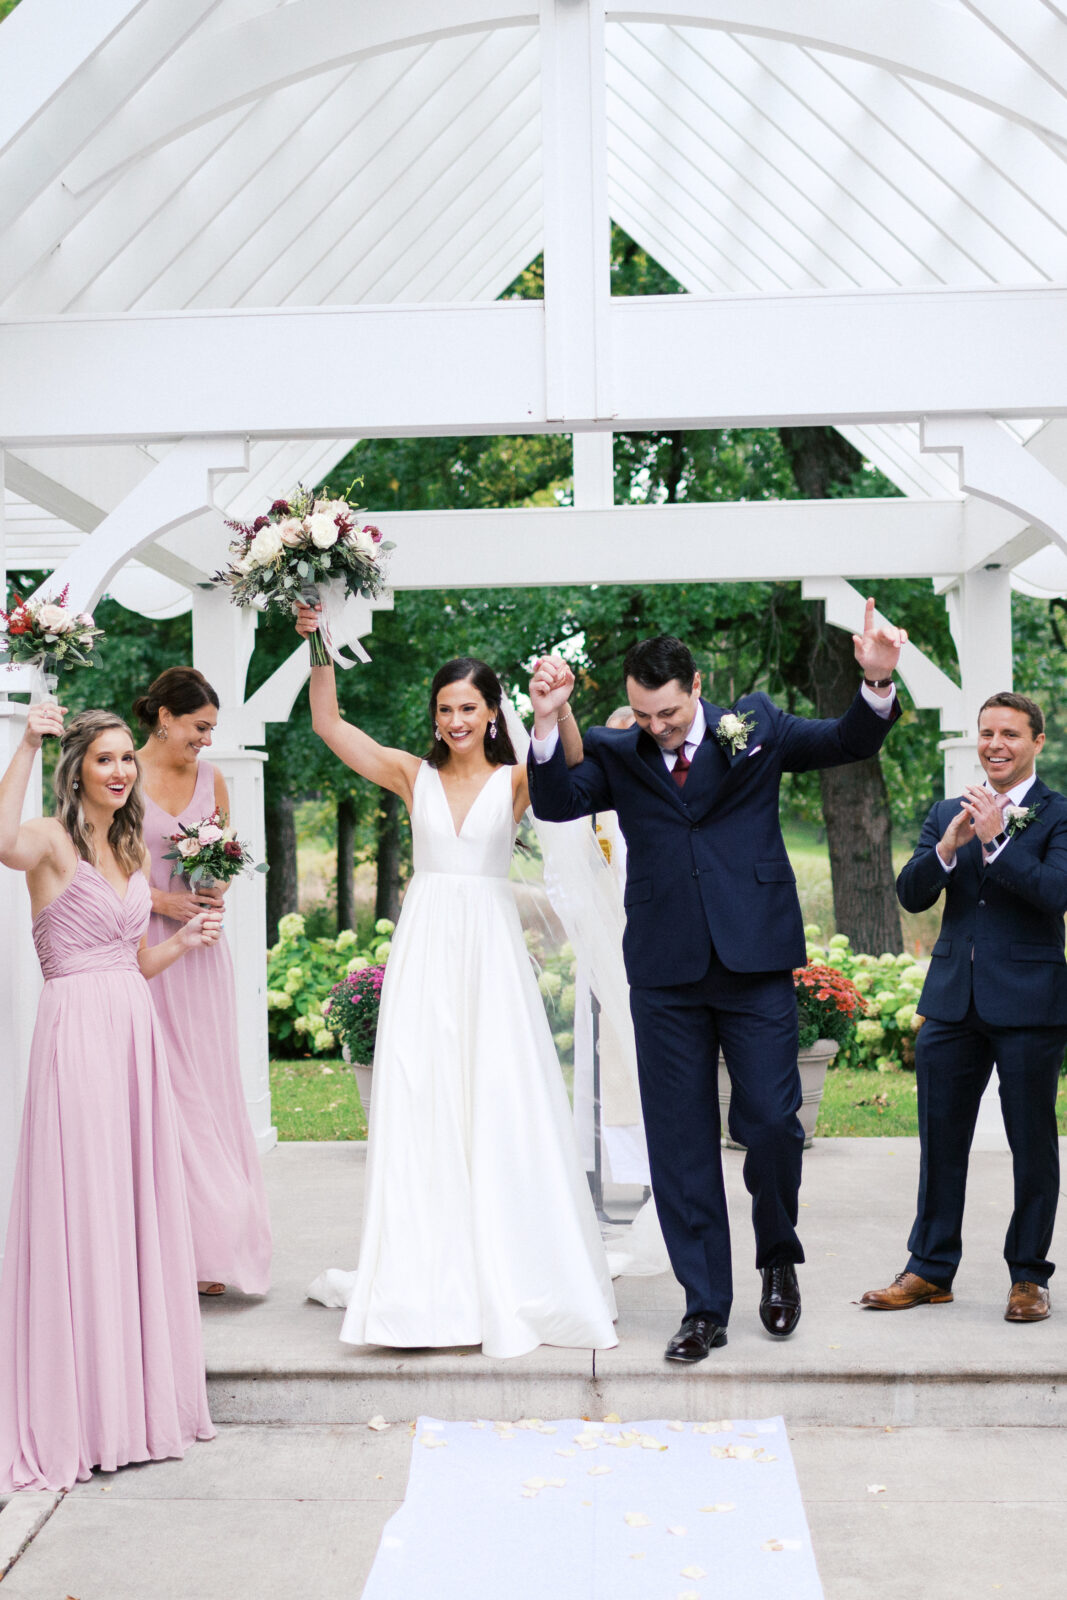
(478,1226)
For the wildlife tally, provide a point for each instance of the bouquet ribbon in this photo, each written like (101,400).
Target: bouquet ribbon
(333,598)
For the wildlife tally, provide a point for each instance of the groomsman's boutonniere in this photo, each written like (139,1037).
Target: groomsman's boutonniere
(1018,817)
(733,730)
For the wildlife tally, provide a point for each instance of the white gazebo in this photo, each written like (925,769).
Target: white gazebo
(237,235)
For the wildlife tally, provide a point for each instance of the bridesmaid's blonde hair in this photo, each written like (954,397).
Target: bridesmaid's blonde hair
(125,833)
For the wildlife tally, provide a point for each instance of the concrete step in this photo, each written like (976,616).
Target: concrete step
(279,1360)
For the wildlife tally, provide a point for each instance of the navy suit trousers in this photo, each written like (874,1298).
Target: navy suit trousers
(953,1061)
(752,1017)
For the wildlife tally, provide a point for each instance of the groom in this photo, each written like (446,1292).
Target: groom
(713,930)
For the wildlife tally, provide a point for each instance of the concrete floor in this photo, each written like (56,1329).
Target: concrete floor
(297,1511)
(958,1414)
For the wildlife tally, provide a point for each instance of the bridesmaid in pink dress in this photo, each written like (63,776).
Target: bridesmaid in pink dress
(195,1001)
(101,1361)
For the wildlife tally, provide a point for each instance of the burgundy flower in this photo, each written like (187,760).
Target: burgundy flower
(233,850)
(260,522)
(375,533)
(280,508)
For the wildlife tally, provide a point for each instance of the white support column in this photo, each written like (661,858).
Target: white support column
(979,615)
(594,471)
(576,227)
(222,645)
(20,976)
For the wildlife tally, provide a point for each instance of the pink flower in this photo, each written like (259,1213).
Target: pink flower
(210,833)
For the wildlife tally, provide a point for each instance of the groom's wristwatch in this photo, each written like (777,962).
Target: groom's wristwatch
(878,683)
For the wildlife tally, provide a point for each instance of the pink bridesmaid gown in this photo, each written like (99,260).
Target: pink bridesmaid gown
(101,1361)
(195,1002)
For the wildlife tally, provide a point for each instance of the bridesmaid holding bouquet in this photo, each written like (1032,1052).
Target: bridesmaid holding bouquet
(196,1004)
(101,1361)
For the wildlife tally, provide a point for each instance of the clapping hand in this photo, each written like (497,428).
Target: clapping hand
(550,687)
(45,720)
(878,647)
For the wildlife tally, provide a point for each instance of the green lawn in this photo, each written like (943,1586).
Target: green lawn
(858,1104)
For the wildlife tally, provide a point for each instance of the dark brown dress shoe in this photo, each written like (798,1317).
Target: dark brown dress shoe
(1027,1302)
(907,1289)
(779,1308)
(696,1338)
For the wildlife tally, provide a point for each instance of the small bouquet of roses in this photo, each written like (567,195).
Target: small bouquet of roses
(210,852)
(48,635)
(311,549)
(352,1011)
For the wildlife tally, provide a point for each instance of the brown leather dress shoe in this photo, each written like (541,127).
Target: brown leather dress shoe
(907,1289)
(1027,1302)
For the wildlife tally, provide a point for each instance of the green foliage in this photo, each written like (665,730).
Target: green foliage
(301,971)
(556,967)
(890,985)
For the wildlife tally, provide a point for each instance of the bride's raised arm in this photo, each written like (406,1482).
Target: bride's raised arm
(392,769)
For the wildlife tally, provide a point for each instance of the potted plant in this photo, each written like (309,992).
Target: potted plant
(828,1004)
(352,1015)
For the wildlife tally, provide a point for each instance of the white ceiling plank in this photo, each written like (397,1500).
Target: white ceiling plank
(45,44)
(268,52)
(1029,29)
(925,39)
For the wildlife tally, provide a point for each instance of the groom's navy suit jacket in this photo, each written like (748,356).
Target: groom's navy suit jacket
(1002,927)
(705,863)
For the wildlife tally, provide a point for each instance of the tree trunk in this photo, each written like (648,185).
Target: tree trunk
(282,890)
(855,801)
(387,898)
(346,863)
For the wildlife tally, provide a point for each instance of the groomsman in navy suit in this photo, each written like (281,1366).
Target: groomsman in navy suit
(996,991)
(713,931)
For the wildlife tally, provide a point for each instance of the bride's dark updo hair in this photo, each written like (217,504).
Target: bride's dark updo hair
(181,689)
(499,752)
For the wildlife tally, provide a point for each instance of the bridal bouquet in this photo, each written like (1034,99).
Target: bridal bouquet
(306,549)
(209,852)
(48,635)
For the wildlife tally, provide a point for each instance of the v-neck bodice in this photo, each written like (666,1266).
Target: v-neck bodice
(88,928)
(482,847)
(160,825)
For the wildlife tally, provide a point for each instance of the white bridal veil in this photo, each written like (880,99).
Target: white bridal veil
(585,895)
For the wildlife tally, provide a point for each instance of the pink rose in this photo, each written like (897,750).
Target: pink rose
(210,833)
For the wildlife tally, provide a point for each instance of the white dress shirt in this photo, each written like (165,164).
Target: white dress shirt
(544,749)
(1014,798)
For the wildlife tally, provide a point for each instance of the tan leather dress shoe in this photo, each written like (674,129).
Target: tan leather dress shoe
(907,1289)
(1027,1302)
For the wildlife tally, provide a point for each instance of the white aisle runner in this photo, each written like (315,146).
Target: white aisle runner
(579,1510)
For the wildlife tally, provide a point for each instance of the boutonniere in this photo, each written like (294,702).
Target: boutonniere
(1016,818)
(733,730)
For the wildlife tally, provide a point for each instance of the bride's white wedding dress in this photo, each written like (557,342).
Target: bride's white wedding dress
(478,1226)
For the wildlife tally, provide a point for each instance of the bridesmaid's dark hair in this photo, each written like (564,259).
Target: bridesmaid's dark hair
(499,752)
(181,689)
(125,834)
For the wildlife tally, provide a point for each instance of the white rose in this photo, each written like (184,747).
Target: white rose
(187,847)
(323,531)
(731,726)
(53,619)
(266,546)
(1015,811)
(291,531)
(363,542)
(332,508)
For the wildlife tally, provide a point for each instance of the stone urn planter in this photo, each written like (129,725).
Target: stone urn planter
(813,1063)
(364,1071)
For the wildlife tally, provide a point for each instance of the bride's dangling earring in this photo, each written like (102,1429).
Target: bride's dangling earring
(492,729)
(437,733)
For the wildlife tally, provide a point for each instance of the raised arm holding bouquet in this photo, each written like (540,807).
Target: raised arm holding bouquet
(51,637)
(310,550)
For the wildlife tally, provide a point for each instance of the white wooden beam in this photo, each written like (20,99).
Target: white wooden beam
(44,45)
(576,224)
(178,488)
(678,361)
(996,467)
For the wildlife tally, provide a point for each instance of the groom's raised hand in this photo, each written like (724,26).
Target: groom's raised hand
(550,689)
(878,649)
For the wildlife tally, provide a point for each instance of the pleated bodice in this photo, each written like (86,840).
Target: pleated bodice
(87,928)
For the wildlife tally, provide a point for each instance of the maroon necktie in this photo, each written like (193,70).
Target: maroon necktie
(680,770)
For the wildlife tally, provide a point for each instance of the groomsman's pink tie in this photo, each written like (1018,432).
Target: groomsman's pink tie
(680,770)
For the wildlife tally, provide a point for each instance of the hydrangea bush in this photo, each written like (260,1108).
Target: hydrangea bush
(300,975)
(890,985)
